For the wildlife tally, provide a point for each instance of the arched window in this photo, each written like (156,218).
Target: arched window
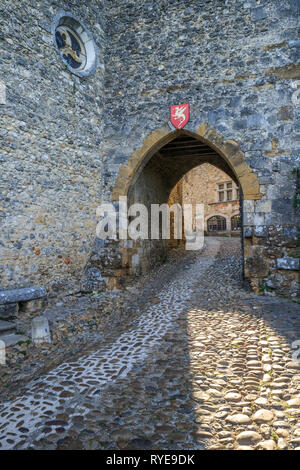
(216,224)
(235,223)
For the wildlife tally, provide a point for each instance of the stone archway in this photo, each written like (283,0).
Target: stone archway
(149,167)
(229,150)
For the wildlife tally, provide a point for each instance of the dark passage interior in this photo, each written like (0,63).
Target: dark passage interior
(154,182)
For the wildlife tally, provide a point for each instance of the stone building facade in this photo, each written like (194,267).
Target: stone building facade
(51,132)
(218,193)
(71,141)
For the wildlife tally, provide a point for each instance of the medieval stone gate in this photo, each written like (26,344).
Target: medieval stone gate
(76,132)
(153,170)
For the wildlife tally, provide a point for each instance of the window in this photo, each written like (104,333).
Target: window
(216,223)
(235,223)
(75,44)
(227,191)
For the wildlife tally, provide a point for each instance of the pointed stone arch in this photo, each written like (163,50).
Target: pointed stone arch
(229,150)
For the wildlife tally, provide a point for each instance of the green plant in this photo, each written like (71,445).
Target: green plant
(295,201)
(263,287)
(19,343)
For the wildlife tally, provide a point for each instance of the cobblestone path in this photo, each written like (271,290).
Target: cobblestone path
(205,364)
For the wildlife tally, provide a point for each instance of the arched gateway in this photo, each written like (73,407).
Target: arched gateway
(152,171)
(225,154)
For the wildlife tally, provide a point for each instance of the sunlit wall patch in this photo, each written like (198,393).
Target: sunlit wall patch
(75,44)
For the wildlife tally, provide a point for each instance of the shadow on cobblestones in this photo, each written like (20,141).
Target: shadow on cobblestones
(204,364)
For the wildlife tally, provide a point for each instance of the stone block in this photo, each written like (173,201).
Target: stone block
(266,179)
(20,295)
(260,231)
(256,120)
(40,330)
(259,219)
(9,310)
(290,232)
(248,249)
(285,113)
(257,264)
(282,205)
(12,339)
(258,13)
(263,206)
(272,218)
(2,352)
(135,260)
(98,244)
(248,218)
(248,232)
(248,206)
(288,263)
(2,93)
(295,43)
(6,326)
(260,163)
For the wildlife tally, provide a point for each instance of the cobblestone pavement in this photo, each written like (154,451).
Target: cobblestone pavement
(78,324)
(205,364)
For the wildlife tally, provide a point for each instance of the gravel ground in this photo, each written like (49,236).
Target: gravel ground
(198,362)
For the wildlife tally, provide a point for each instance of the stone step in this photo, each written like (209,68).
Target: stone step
(12,339)
(6,326)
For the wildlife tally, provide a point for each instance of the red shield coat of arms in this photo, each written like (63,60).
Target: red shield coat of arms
(180,115)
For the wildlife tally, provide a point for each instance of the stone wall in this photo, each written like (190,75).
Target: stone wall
(176,197)
(200,186)
(235,62)
(50,158)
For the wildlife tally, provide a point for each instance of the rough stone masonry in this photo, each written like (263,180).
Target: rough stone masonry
(68,143)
